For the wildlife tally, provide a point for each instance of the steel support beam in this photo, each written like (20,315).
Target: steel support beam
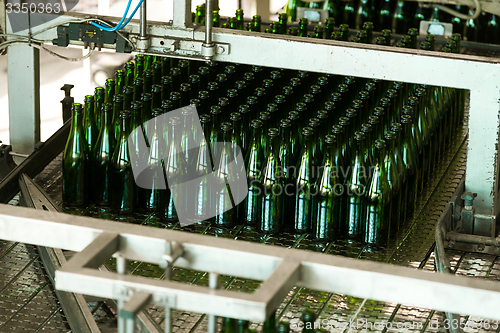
(182,14)
(23,71)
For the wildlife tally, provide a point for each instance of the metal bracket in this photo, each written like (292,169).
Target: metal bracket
(135,304)
(174,251)
(185,47)
(165,300)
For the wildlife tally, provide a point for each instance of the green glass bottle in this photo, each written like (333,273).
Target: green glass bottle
(228,325)
(344,32)
(254,162)
(194,81)
(223,174)
(364,13)
(283,327)
(433,109)
(200,14)
(413,33)
(204,166)
(122,177)
(138,89)
(215,19)
(328,198)
(232,22)
(89,127)
(426,45)
(288,141)
(139,65)
(119,81)
(148,61)
(129,73)
(294,118)
(386,33)
(492,32)
(422,122)
(128,97)
(471,29)
(102,159)
(165,66)
(356,186)
(410,156)
(415,136)
(256,23)
(329,27)
(117,108)
(166,82)
(99,95)
(269,325)
(166,106)
(239,19)
(349,13)
(156,96)
(421,14)
(175,168)
(318,31)
(400,164)
(157,72)
(291,9)
(75,162)
(147,80)
(384,19)
(436,15)
(271,220)
(458,23)
(213,90)
(394,182)
(378,199)
(368,27)
(400,19)
(293,31)
(146,100)
(303,24)
(305,183)
(109,90)
(175,74)
(150,198)
(308,318)
(242,326)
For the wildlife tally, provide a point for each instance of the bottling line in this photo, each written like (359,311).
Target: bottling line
(184,279)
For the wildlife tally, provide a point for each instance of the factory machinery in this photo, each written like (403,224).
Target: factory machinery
(150,277)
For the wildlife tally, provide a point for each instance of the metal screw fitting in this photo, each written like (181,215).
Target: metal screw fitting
(468,198)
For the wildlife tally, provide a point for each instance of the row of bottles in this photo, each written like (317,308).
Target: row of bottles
(393,16)
(317,147)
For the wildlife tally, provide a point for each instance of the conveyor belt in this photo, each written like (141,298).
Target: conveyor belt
(28,301)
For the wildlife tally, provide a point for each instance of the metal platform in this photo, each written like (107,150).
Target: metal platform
(28,301)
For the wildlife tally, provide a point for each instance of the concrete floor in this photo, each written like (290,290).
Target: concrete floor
(56,72)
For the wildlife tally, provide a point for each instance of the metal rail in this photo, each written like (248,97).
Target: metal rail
(280,268)
(35,163)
